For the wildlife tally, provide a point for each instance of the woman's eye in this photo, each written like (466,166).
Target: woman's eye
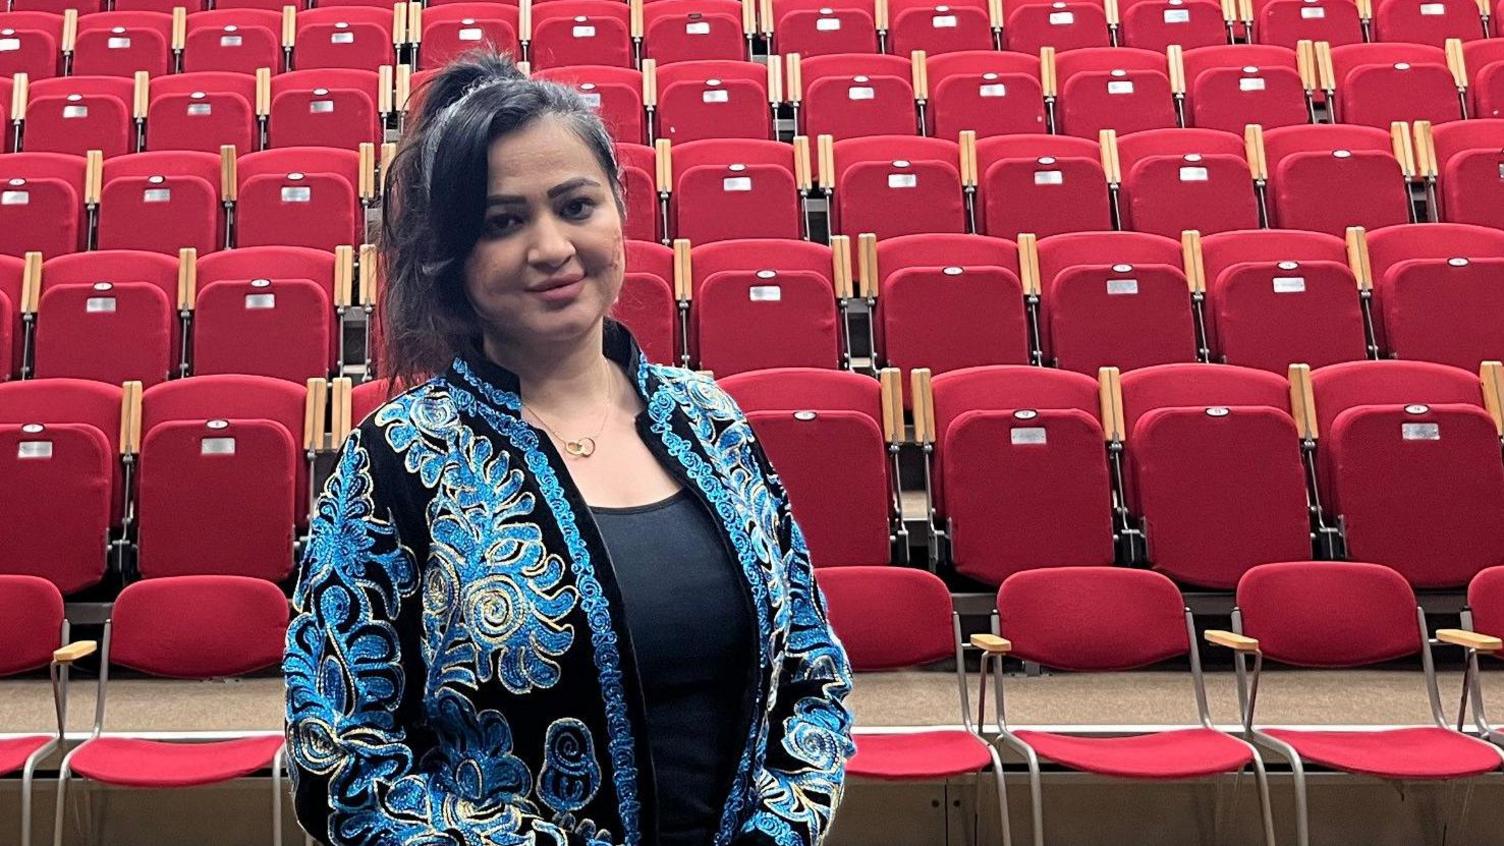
(578,208)
(501,224)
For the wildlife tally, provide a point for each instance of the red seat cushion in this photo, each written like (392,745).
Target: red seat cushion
(1186,753)
(133,762)
(15,750)
(1421,752)
(918,755)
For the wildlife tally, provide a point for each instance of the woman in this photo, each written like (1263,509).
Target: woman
(555,594)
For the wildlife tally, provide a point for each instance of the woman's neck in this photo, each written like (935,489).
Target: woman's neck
(565,378)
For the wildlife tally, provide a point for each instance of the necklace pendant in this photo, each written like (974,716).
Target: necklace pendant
(582,448)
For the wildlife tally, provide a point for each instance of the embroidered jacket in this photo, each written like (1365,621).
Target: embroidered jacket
(459,671)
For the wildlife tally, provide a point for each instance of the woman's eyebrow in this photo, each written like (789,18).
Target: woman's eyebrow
(553,193)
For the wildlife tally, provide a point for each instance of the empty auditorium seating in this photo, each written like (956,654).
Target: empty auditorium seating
(1156,24)
(1041,184)
(199,628)
(1231,86)
(1179,179)
(862,603)
(823,430)
(354,37)
(64,488)
(1426,21)
(1110,620)
(30,43)
(1112,88)
(328,107)
(299,196)
(737,189)
(1114,299)
(240,40)
(1062,25)
(689,30)
(648,302)
(1019,474)
(1288,22)
(162,201)
(820,27)
(986,91)
(1378,84)
(713,99)
(1468,157)
(1409,461)
(42,204)
(1277,297)
(852,95)
(874,176)
(581,32)
(1322,615)
(1327,178)
(268,311)
(1483,62)
(109,315)
(75,114)
(939,27)
(615,94)
(1438,290)
(203,111)
(221,456)
(121,43)
(759,303)
(945,302)
(451,29)
(1214,470)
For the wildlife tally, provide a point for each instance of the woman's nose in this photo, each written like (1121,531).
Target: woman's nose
(551,243)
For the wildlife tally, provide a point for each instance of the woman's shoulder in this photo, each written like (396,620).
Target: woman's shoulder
(697,389)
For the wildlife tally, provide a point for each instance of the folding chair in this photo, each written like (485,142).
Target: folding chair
(1481,619)
(580,32)
(863,604)
(1031,26)
(326,107)
(1327,178)
(1016,471)
(1040,184)
(1331,614)
(162,201)
(32,44)
(941,27)
(985,91)
(189,627)
(303,197)
(714,99)
(353,37)
(1105,619)
(1157,24)
(737,188)
(1172,180)
(648,302)
(1479,65)
(42,204)
(1230,86)
(696,30)
(819,27)
(109,315)
(615,93)
(639,167)
(122,43)
(866,178)
(1378,84)
(1461,163)
(77,114)
(1427,23)
(851,95)
(444,32)
(1117,88)
(1286,23)
(203,111)
(238,40)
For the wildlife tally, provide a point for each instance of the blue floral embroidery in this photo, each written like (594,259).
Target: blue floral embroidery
(570,774)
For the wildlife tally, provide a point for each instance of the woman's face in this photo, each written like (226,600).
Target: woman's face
(548,264)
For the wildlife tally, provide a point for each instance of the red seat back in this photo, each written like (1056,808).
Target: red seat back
(1041,184)
(1329,613)
(198,627)
(34,611)
(1093,619)
(888,618)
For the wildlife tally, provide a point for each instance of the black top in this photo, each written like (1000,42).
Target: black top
(693,635)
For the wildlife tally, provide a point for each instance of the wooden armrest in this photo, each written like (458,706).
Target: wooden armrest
(74,651)
(1232,640)
(992,644)
(1470,640)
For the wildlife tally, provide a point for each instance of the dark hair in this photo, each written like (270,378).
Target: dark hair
(431,220)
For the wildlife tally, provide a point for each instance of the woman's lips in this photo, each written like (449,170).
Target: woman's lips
(560,291)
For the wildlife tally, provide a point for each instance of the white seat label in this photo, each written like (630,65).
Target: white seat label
(1062,18)
(765,294)
(1420,431)
(993,89)
(321,107)
(1194,174)
(231,40)
(341,38)
(156,195)
(827,24)
(943,21)
(200,109)
(860,92)
(592,98)
(1120,86)
(583,32)
(697,28)
(297,194)
(736,183)
(1116,287)
(15,198)
(1251,83)
(471,33)
(903,180)
(9,45)
(99,305)
(1029,435)
(217,446)
(1049,177)
(70,112)
(716,95)
(1312,13)
(117,43)
(1177,16)
(34,449)
(1289,284)
(1433,9)
(258,301)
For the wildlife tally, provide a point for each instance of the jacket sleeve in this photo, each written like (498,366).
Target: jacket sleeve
(809,731)
(366,768)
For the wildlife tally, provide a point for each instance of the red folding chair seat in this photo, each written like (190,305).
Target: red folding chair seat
(638,164)
(42,204)
(267,311)
(1276,298)
(1179,179)
(822,27)
(1469,158)
(1327,178)
(986,91)
(221,454)
(1156,24)
(1064,25)
(1485,67)
(354,37)
(203,111)
(1437,287)
(30,43)
(854,95)
(76,114)
(876,175)
(647,304)
(1112,88)
(713,99)
(1114,299)
(162,202)
(938,27)
(238,40)
(1041,184)
(1019,471)
(109,315)
(73,402)
(452,29)
(1288,22)
(691,30)
(759,303)
(299,197)
(823,430)
(1231,86)
(325,107)
(615,94)
(58,7)
(1214,470)
(1429,22)
(945,302)
(726,189)
(1378,84)
(1410,465)
(121,43)
(581,32)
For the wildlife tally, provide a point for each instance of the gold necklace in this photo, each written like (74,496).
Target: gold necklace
(583,447)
